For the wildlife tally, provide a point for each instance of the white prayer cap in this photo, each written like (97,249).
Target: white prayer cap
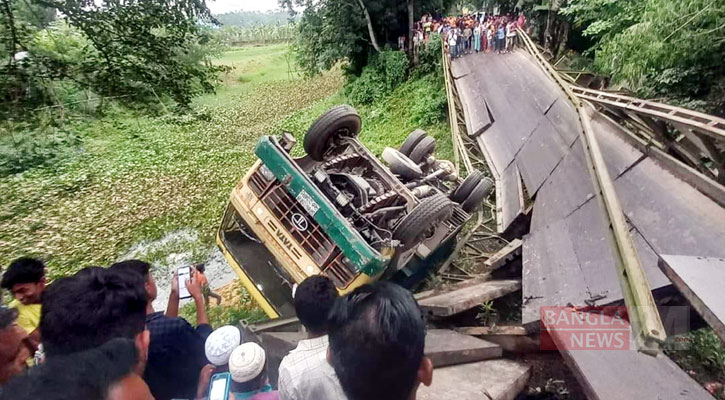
(220,343)
(246,362)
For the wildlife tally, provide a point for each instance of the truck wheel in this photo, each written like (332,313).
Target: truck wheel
(475,198)
(467,186)
(422,150)
(340,121)
(417,224)
(412,139)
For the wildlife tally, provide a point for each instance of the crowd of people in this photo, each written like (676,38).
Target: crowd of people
(96,335)
(466,34)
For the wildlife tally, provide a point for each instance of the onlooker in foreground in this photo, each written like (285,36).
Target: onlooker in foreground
(107,372)
(220,344)
(248,368)
(14,349)
(88,309)
(305,373)
(25,279)
(377,336)
(176,352)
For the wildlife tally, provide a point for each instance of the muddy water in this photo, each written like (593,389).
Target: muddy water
(173,251)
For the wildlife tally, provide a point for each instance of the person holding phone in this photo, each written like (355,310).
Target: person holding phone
(176,351)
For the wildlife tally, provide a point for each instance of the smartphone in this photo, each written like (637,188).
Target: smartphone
(184,274)
(219,386)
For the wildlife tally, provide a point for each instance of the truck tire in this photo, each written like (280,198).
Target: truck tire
(422,150)
(337,122)
(412,139)
(475,198)
(467,186)
(430,212)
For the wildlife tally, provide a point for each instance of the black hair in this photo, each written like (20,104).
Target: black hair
(23,270)
(200,267)
(138,266)
(88,309)
(87,375)
(7,316)
(377,338)
(314,299)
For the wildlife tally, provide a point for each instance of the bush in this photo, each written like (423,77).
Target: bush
(431,103)
(23,146)
(429,58)
(385,71)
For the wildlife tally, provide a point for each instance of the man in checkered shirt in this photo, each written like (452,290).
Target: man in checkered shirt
(305,373)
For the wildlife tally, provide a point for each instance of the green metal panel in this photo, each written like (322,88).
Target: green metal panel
(366,259)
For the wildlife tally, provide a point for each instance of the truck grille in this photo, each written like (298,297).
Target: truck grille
(312,239)
(258,184)
(338,272)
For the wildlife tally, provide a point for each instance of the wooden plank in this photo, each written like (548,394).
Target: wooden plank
(493,330)
(627,374)
(503,256)
(456,301)
(485,380)
(447,347)
(451,287)
(700,280)
(278,324)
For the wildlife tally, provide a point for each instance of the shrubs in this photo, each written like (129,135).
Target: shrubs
(385,71)
(23,146)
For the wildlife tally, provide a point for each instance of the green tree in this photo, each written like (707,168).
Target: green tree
(334,30)
(138,50)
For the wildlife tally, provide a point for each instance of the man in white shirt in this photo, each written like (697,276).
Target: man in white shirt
(305,373)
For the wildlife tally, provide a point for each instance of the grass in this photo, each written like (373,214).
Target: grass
(137,178)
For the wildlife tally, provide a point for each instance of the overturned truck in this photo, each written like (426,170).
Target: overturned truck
(341,212)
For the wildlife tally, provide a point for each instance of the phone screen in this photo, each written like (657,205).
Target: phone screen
(184,274)
(218,387)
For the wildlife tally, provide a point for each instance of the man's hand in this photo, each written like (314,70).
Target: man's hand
(194,287)
(172,307)
(175,284)
(204,379)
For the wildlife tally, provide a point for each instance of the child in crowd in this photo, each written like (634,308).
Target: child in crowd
(206,290)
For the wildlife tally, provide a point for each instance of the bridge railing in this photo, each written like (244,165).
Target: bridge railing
(695,138)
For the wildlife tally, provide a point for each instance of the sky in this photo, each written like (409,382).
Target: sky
(222,6)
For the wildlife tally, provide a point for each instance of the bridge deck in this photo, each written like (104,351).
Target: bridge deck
(567,258)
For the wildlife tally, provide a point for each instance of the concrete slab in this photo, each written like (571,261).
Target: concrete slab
(565,119)
(546,250)
(700,280)
(494,379)
(447,347)
(509,197)
(627,374)
(672,216)
(540,155)
(456,301)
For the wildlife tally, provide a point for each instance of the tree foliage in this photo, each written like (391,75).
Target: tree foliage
(330,31)
(136,50)
(664,48)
